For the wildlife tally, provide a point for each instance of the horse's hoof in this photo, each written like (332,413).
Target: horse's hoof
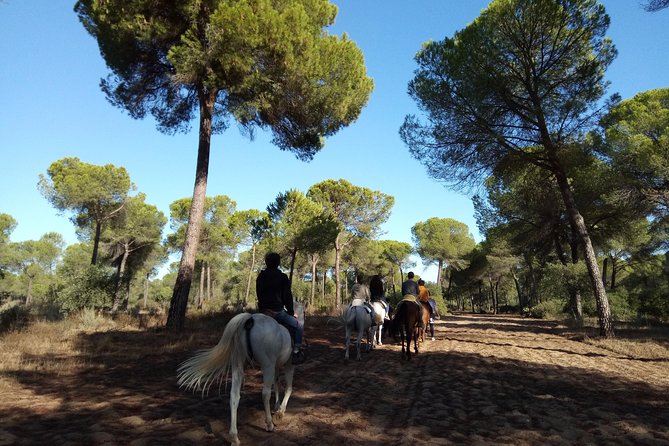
(270,427)
(279,415)
(234,441)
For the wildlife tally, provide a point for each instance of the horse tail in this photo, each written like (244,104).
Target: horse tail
(349,316)
(207,366)
(397,319)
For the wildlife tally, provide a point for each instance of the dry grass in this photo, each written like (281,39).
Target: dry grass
(634,349)
(54,347)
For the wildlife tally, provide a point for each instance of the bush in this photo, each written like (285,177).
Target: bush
(13,315)
(90,288)
(548,309)
(621,307)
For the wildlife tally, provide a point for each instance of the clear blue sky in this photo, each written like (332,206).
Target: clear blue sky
(51,107)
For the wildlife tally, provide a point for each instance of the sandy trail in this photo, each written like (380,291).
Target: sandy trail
(485,380)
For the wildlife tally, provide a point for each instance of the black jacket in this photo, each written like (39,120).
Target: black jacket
(409,287)
(273,291)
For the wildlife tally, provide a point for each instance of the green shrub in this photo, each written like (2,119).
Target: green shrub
(622,309)
(13,315)
(89,288)
(549,309)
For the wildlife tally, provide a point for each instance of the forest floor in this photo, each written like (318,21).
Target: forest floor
(484,380)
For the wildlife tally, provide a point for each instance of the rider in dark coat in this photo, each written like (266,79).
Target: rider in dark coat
(276,299)
(410,289)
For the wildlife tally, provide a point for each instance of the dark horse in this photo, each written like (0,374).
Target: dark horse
(426,320)
(406,321)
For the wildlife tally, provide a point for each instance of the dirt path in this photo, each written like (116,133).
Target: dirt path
(483,381)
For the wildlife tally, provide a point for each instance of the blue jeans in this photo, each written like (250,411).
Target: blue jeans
(291,321)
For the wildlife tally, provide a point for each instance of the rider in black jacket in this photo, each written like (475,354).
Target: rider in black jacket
(276,299)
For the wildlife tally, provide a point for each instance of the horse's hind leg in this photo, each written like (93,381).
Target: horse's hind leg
(348,342)
(289,371)
(277,390)
(235,387)
(357,344)
(268,374)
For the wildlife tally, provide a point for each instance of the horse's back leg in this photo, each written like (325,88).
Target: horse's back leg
(268,381)
(348,341)
(277,391)
(235,388)
(289,371)
(357,344)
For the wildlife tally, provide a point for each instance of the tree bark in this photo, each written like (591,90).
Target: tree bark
(439,268)
(146,288)
(209,294)
(179,302)
(248,280)
(96,242)
(337,290)
(314,263)
(521,303)
(293,255)
(325,273)
(604,270)
(29,295)
(577,222)
(119,280)
(126,297)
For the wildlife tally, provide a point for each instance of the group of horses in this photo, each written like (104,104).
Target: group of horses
(406,321)
(260,340)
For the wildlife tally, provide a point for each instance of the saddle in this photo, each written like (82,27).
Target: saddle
(414,299)
(291,330)
(367,307)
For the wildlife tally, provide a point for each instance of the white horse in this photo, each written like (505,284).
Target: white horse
(357,317)
(380,313)
(247,338)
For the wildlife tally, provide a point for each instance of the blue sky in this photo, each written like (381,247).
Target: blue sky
(51,107)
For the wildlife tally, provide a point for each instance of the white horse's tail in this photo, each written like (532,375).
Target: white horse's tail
(207,366)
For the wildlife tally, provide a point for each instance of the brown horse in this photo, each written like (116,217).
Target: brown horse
(406,321)
(426,321)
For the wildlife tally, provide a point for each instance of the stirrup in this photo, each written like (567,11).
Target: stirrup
(298,357)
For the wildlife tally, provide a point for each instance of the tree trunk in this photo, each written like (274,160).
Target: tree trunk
(576,304)
(337,290)
(179,302)
(96,242)
(248,279)
(209,296)
(200,291)
(439,267)
(604,270)
(450,282)
(126,297)
(314,263)
(29,295)
(576,219)
(146,288)
(614,270)
(480,296)
(325,273)
(119,280)
(521,303)
(293,255)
